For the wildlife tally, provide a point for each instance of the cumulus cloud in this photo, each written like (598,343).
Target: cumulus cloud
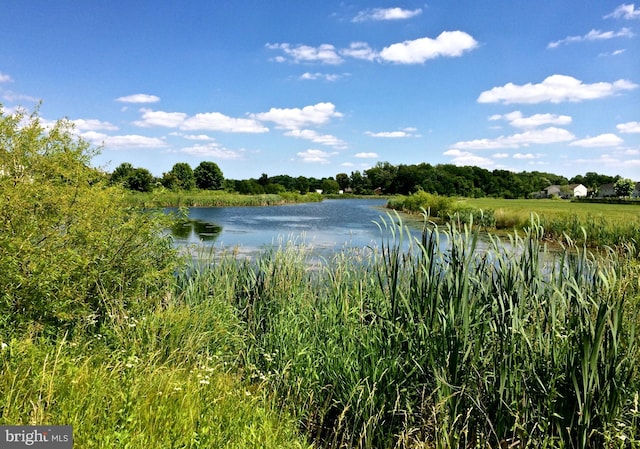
(215,121)
(624,11)
(462,158)
(212,150)
(629,127)
(366,155)
(500,155)
(603,140)
(324,53)
(377,14)
(524,156)
(138,98)
(315,156)
(532,137)
(296,118)
(447,44)
(593,35)
(360,50)
(93,125)
(406,132)
(210,121)
(123,142)
(4,78)
(554,89)
(313,136)
(517,120)
(331,77)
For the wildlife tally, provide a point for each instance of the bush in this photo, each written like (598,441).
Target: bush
(70,251)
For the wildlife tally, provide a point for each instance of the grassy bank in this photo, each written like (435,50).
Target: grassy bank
(214,198)
(445,348)
(163,378)
(595,224)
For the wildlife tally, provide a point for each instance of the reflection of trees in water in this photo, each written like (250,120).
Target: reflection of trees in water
(204,230)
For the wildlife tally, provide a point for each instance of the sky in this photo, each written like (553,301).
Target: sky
(317,88)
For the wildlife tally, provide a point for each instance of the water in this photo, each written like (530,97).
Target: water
(327,226)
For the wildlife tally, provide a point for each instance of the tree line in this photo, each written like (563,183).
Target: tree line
(384,178)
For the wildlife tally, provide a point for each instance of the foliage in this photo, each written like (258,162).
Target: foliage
(71,252)
(209,198)
(447,341)
(179,177)
(208,176)
(624,187)
(163,378)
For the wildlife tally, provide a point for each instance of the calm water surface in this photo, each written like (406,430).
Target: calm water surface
(327,226)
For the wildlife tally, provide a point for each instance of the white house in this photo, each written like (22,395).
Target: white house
(567,191)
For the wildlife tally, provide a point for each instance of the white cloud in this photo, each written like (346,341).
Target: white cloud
(93,125)
(4,78)
(531,137)
(215,121)
(212,150)
(593,35)
(554,89)
(629,127)
(517,120)
(315,156)
(199,137)
(524,156)
(366,155)
(14,97)
(325,53)
(331,77)
(624,11)
(360,50)
(386,14)
(462,158)
(160,118)
(123,142)
(500,155)
(324,139)
(448,43)
(210,121)
(603,140)
(388,134)
(138,98)
(296,118)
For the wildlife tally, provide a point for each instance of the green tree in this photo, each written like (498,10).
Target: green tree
(121,174)
(71,251)
(184,175)
(208,176)
(343,180)
(140,180)
(330,186)
(624,187)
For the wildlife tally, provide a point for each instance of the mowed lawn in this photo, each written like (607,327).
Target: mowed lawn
(612,213)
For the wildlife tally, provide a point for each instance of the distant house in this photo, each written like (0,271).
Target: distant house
(566,191)
(606,191)
(609,191)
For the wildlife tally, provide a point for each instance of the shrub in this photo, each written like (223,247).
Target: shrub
(70,251)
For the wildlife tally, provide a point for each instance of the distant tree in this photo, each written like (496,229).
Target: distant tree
(624,187)
(330,186)
(121,174)
(208,176)
(264,179)
(184,174)
(140,180)
(343,180)
(359,183)
(249,187)
(302,185)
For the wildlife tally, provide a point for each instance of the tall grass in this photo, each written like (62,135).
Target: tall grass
(208,198)
(166,378)
(447,341)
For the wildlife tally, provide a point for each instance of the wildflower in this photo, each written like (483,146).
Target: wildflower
(3,345)
(204,382)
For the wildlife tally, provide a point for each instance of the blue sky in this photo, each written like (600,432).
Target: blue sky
(316,88)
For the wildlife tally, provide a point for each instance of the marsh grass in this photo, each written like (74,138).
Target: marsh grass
(166,378)
(215,198)
(456,347)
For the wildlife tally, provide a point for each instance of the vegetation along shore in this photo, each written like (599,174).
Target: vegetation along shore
(442,341)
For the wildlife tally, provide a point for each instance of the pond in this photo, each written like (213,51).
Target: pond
(327,226)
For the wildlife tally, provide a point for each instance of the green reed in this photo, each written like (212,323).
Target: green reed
(446,341)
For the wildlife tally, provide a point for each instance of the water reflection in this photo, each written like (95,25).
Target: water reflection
(196,230)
